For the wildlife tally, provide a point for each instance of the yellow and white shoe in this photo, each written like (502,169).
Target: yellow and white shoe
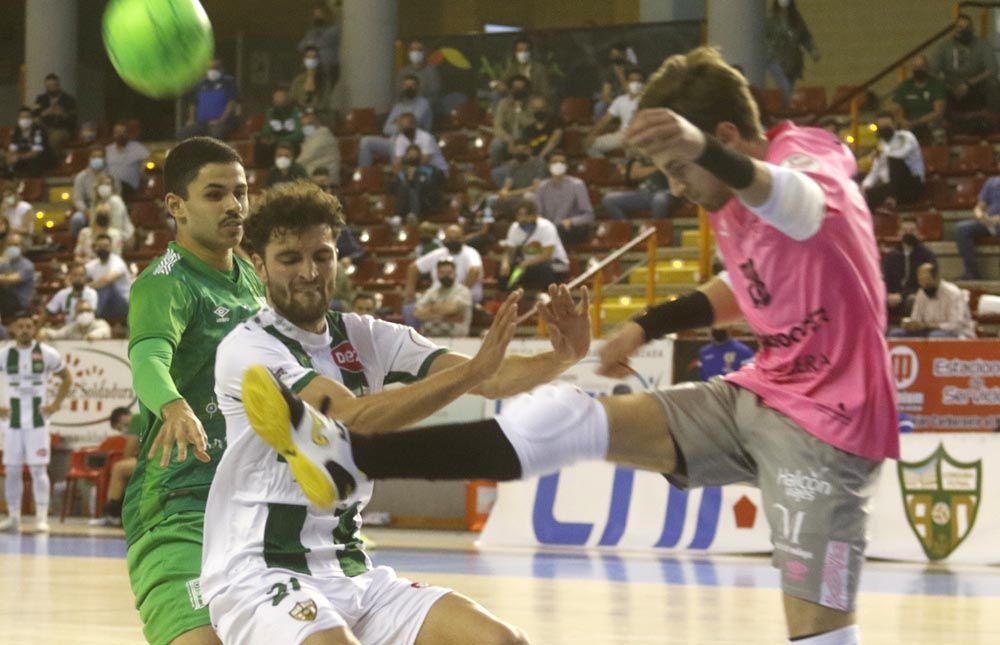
(317,448)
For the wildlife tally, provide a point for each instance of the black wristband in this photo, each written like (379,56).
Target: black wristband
(690,311)
(734,168)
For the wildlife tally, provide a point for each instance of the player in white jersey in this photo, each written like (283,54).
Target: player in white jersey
(28,365)
(275,568)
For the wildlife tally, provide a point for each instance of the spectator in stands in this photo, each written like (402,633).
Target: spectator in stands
(123,421)
(467,265)
(985,223)
(363,304)
(324,35)
(343,287)
(411,135)
(535,256)
(511,117)
(476,214)
(319,148)
(723,355)
(418,186)
(212,105)
(282,124)
(564,201)
(83,326)
(310,90)
(409,103)
(897,171)
(900,265)
(56,110)
(100,224)
(920,101)
(321,177)
(285,169)
(521,174)
(598,142)
(427,239)
(525,63)
(966,64)
(17,212)
(613,77)
(446,308)
(787,35)
(428,77)
(85,187)
(17,277)
(125,159)
(28,153)
(111,278)
(106,196)
(64,302)
(940,310)
(652,192)
(545,132)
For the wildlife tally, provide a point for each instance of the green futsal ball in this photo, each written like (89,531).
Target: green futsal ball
(160,48)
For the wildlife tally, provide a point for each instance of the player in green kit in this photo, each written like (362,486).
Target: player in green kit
(181,307)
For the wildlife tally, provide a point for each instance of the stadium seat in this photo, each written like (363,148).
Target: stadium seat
(608,236)
(256,180)
(392,303)
(935,159)
(98,475)
(466,116)
(383,206)
(151,186)
(886,225)
(359,121)
(970,159)
(838,94)
(931,226)
(664,231)
(368,180)
(455,146)
(357,209)
(249,126)
(958,193)
(245,149)
(147,215)
(572,143)
(576,110)
(772,102)
(348,150)
(73,162)
(31,190)
(599,171)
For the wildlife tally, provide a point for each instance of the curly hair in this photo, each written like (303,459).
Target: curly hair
(291,207)
(704,89)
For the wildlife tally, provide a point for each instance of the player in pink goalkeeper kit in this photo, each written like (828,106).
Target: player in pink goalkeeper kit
(809,422)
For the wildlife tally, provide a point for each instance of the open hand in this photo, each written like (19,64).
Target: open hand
(180,427)
(487,360)
(568,323)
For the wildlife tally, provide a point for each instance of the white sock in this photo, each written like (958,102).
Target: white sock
(849,635)
(554,425)
(40,488)
(13,490)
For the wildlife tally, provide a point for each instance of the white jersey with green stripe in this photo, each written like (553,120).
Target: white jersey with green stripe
(256,516)
(28,370)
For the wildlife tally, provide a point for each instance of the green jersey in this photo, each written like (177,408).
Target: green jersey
(182,300)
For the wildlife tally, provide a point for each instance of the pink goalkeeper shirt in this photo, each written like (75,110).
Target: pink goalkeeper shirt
(817,306)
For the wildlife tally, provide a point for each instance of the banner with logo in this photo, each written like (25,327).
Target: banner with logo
(939,502)
(949,385)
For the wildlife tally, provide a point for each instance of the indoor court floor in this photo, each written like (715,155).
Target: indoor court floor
(73,588)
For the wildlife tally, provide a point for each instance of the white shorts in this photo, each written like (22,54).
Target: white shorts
(26,446)
(274,606)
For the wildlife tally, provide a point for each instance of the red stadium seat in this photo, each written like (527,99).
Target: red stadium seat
(576,110)
(609,235)
(359,121)
(931,226)
(839,93)
(368,180)
(348,150)
(970,159)
(256,180)
(250,126)
(599,171)
(958,193)
(147,215)
(31,190)
(886,225)
(454,146)
(466,116)
(572,143)
(664,231)
(936,159)
(79,470)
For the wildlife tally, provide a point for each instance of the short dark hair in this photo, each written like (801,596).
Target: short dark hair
(525,40)
(634,70)
(321,171)
(411,147)
(52,76)
(103,236)
(886,114)
(310,48)
(363,295)
(934,269)
(19,315)
(291,207)
(284,145)
(527,204)
(447,261)
(187,158)
(620,45)
(73,266)
(117,414)
(412,77)
(559,152)
(964,16)
(24,108)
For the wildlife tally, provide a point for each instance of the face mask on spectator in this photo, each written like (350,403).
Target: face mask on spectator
(416,57)
(541,115)
(885,134)
(409,93)
(411,161)
(11,200)
(964,36)
(453,247)
(720,335)
(310,63)
(521,155)
(104,191)
(283,162)
(308,129)
(102,220)
(103,254)
(24,124)
(920,75)
(634,87)
(447,281)
(85,318)
(97,163)
(910,239)
(523,57)
(528,228)
(213,75)
(12,252)
(930,291)
(519,93)
(409,133)
(557,169)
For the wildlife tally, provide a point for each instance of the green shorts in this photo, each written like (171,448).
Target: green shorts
(163,567)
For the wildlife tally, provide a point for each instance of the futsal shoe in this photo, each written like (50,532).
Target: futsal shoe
(10,525)
(317,448)
(42,526)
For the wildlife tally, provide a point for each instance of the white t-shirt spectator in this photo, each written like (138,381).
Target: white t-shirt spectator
(465,259)
(903,145)
(115,264)
(124,163)
(18,216)
(66,300)
(623,107)
(85,242)
(428,146)
(544,235)
(457,295)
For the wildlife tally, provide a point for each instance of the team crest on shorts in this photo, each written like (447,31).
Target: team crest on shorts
(304,611)
(941,496)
